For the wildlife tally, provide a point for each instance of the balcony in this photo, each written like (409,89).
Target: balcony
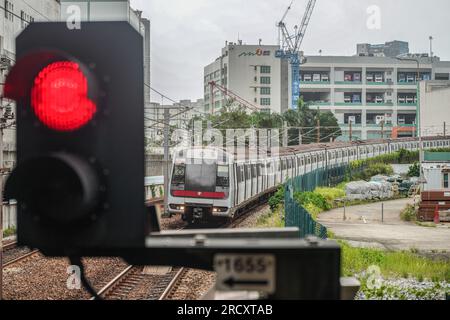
(380,104)
(407,104)
(318,103)
(374,125)
(383,83)
(356,83)
(316,82)
(342,104)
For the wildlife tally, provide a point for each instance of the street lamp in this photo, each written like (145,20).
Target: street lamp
(419,127)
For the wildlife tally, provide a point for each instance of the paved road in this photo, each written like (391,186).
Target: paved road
(363,227)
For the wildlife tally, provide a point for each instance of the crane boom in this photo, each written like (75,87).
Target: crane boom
(304,24)
(290,48)
(285,14)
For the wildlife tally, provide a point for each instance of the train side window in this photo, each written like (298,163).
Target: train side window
(179,174)
(248,172)
(254,171)
(223,177)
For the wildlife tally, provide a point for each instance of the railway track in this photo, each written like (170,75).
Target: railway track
(21,254)
(161,287)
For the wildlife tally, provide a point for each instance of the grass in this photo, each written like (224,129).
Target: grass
(393,264)
(9,232)
(409,213)
(273,219)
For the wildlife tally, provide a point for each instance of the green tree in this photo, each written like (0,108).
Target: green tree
(307,119)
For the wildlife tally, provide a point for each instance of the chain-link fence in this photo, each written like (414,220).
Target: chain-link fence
(296,215)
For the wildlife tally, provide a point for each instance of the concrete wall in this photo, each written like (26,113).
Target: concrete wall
(434,108)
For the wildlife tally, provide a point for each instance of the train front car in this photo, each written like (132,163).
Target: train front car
(200,184)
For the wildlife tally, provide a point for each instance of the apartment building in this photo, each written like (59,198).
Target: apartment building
(250,71)
(372,97)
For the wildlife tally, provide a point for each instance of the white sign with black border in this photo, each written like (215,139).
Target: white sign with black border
(245,272)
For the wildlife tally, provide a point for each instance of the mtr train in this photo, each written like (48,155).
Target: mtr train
(209,184)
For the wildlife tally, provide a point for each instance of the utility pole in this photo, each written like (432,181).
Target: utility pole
(166,159)
(351,132)
(318,130)
(382,129)
(445,129)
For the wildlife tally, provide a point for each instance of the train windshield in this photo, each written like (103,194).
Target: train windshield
(223,177)
(201,177)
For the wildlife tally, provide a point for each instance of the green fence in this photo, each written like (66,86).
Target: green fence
(296,215)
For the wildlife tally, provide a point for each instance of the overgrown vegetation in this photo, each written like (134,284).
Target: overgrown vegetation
(373,169)
(414,170)
(392,264)
(277,199)
(9,232)
(409,213)
(273,219)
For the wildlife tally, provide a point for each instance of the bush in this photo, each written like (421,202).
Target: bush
(314,199)
(331,194)
(277,199)
(409,213)
(414,170)
(374,169)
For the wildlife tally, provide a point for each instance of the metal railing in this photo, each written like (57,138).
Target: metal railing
(296,214)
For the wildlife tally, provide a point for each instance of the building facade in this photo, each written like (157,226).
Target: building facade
(389,49)
(250,71)
(15,16)
(434,108)
(180,116)
(372,97)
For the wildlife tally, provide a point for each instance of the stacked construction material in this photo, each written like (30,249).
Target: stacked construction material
(432,200)
(362,190)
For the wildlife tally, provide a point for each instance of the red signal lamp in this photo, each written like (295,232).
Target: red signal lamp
(59,97)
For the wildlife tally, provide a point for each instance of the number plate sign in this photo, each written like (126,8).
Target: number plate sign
(240,272)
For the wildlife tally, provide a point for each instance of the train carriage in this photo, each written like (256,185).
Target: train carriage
(209,183)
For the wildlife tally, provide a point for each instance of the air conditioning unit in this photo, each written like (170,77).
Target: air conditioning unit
(5,62)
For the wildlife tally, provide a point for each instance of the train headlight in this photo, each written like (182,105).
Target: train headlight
(219,209)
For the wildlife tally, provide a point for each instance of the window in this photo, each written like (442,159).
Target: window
(265,101)
(446,184)
(179,173)
(9,10)
(265,69)
(223,177)
(265,80)
(265,90)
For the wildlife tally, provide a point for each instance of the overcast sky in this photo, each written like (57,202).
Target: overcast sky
(189,34)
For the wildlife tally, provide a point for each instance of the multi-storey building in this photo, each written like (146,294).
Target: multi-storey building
(250,71)
(389,49)
(15,15)
(372,97)
(180,115)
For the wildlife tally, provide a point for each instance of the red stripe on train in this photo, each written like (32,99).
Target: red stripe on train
(198,194)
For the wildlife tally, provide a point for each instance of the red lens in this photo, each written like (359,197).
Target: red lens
(59,97)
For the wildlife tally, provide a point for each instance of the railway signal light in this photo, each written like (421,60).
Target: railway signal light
(80,138)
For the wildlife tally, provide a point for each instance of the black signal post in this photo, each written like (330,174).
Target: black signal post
(80,137)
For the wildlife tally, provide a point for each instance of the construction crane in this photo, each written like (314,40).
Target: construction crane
(231,95)
(290,45)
